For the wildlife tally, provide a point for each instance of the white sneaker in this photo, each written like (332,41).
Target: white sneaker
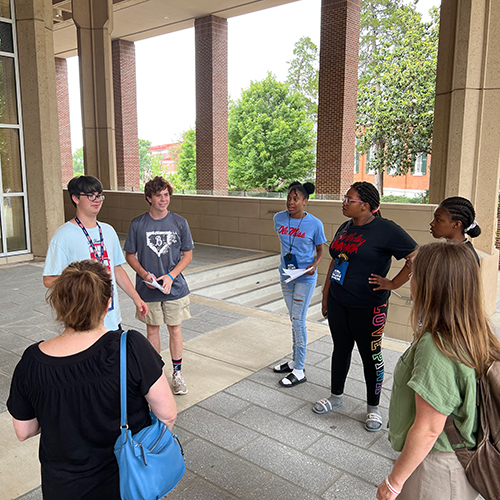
(178,384)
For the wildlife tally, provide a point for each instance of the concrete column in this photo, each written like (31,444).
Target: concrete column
(466,141)
(211,104)
(40,120)
(94,22)
(64,121)
(338,84)
(125,94)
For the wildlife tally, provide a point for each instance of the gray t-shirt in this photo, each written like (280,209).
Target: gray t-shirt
(158,245)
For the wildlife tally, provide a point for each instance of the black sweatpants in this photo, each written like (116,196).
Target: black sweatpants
(365,326)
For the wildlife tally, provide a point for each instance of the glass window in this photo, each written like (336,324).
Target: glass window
(6,44)
(13,207)
(10,161)
(5,8)
(8,101)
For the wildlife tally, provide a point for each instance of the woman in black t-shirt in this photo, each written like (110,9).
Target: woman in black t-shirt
(454,218)
(68,389)
(356,294)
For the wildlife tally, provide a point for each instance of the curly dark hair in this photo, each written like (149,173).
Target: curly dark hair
(155,186)
(461,209)
(369,194)
(304,189)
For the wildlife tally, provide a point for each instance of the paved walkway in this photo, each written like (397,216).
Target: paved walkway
(244,436)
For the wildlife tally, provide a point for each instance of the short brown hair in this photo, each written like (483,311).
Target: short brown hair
(155,186)
(80,294)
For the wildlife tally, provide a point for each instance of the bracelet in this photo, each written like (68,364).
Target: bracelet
(393,490)
(170,276)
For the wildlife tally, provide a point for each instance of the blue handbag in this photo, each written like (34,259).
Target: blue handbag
(151,462)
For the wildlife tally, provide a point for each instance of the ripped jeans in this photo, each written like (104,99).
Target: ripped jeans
(297,297)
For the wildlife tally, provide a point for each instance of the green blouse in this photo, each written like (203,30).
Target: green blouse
(448,386)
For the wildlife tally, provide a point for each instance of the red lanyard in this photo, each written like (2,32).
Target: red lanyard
(100,258)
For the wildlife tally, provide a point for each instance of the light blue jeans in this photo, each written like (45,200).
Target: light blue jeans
(297,298)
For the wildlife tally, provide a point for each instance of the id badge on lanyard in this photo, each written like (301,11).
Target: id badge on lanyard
(340,268)
(290,261)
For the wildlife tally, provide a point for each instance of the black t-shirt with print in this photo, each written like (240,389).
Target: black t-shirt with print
(369,249)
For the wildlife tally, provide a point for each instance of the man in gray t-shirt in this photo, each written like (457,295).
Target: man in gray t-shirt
(159,247)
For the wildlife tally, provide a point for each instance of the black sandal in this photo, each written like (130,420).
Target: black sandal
(294,380)
(283,368)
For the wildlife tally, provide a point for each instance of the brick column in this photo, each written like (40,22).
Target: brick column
(64,123)
(211,104)
(338,84)
(125,96)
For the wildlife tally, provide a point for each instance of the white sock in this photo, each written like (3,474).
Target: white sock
(298,373)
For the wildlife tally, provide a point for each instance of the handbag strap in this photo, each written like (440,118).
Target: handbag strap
(123,380)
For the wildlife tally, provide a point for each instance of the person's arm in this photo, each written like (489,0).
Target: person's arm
(48,281)
(428,425)
(326,289)
(123,281)
(25,429)
(186,259)
(317,259)
(162,401)
(399,280)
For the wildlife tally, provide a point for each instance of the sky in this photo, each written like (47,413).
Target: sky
(165,67)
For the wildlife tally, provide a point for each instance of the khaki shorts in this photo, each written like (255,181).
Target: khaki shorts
(170,312)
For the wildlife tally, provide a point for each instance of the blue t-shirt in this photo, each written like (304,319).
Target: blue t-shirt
(302,235)
(70,244)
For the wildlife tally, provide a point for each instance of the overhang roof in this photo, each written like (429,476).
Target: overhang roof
(139,19)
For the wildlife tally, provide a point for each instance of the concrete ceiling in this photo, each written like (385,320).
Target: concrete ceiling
(139,19)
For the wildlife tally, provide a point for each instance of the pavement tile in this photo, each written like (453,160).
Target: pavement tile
(3,408)
(5,382)
(219,320)
(350,488)
(184,436)
(269,398)
(8,362)
(297,467)
(315,358)
(224,404)
(272,425)
(352,459)
(320,347)
(214,428)
(35,494)
(198,489)
(223,469)
(14,343)
(199,325)
(383,447)
(278,489)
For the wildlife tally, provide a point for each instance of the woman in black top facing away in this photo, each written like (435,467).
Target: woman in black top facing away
(68,389)
(356,294)
(454,218)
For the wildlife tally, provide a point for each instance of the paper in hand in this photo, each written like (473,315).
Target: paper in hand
(294,273)
(153,283)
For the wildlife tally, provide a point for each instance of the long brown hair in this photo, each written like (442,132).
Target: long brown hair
(80,294)
(448,303)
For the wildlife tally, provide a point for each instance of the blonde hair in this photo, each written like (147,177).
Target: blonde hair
(80,294)
(448,303)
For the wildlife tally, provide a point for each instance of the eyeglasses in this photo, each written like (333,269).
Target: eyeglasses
(348,200)
(93,197)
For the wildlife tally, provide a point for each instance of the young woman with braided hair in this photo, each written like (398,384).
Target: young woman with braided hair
(356,294)
(455,218)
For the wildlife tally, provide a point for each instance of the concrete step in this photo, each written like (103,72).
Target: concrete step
(279,305)
(204,279)
(259,296)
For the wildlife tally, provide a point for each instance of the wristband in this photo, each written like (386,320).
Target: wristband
(170,276)
(390,487)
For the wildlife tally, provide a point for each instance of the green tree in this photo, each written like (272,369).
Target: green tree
(78,167)
(396,97)
(144,159)
(271,141)
(303,74)
(187,160)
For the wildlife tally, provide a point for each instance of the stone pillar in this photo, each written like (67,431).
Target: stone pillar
(211,104)
(64,122)
(466,138)
(94,22)
(37,78)
(338,84)
(125,93)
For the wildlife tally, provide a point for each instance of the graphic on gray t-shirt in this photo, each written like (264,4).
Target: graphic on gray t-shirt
(159,244)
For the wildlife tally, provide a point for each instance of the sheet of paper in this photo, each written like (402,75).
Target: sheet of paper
(294,273)
(153,283)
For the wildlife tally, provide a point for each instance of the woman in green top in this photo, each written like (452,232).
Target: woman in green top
(436,376)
